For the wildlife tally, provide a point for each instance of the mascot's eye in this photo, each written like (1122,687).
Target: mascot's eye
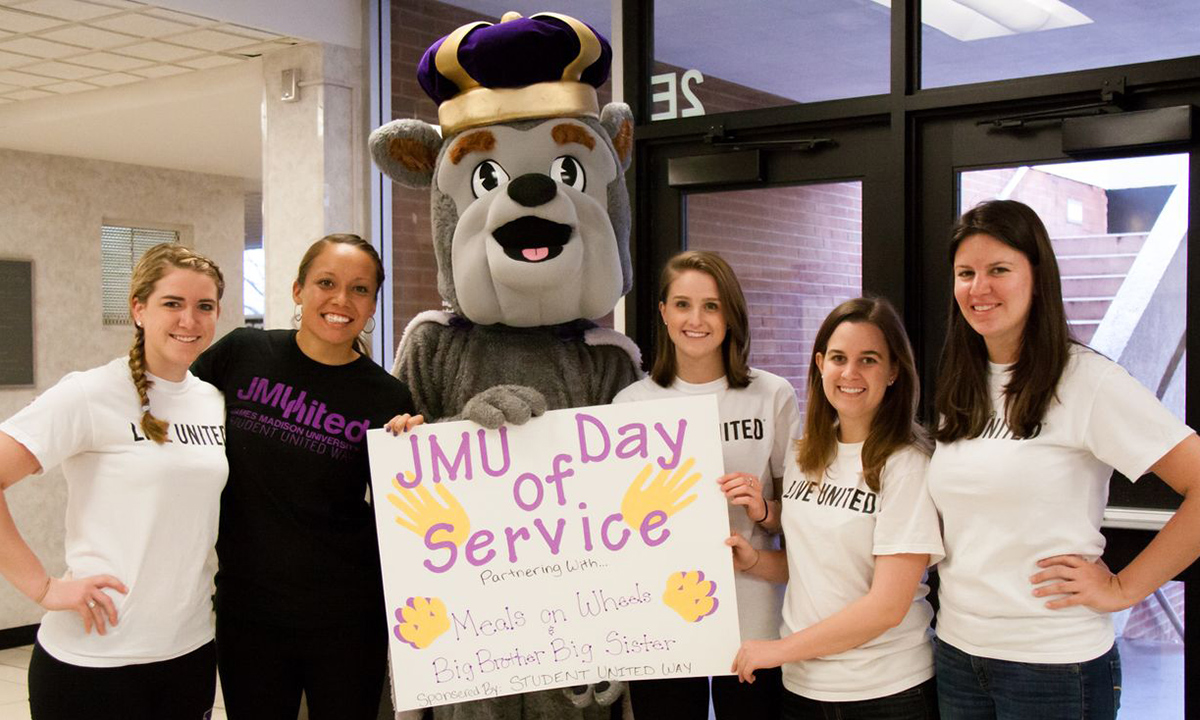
(487,177)
(568,171)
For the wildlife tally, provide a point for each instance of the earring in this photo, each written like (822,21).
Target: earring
(370,327)
(890,382)
(138,323)
(298,315)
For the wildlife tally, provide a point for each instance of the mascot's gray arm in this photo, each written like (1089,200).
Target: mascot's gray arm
(424,369)
(614,371)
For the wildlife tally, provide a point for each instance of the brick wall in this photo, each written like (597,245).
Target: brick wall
(416,24)
(797,252)
(1047,194)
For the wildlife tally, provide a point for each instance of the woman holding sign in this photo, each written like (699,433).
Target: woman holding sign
(299,595)
(701,349)
(1031,425)
(128,630)
(860,530)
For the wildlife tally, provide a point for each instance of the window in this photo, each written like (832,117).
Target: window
(714,57)
(120,249)
(969,41)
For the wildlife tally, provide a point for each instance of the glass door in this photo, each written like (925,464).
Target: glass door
(796,215)
(1118,220)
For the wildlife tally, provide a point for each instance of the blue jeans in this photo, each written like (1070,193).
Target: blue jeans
(916,703)
(977,688)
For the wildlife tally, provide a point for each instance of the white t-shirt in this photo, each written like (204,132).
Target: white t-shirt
(834,531)
(142,512)
(1007,502)
(758,424)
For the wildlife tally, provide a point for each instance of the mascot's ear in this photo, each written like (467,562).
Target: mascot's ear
(406,151)
(617,120)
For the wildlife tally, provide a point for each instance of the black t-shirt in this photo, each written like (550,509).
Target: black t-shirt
(297,544)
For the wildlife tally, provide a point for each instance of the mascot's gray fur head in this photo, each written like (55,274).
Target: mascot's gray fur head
(530,208)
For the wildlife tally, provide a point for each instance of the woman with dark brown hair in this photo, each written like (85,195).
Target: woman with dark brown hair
(1030,427)
(703,347)
(140,441)
(299,594)
(860,530)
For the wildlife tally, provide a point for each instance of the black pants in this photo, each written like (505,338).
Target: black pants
(687,698)
(264,668)
(178,689)
(916,703)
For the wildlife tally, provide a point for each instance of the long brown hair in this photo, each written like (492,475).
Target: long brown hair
(962,401)
(151,268)
(315,250)
(735,348)
(895,423)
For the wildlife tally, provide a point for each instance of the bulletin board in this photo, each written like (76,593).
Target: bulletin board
(16,323)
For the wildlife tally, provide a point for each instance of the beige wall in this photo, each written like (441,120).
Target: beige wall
(51,210)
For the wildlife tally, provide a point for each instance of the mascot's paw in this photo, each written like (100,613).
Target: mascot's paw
(579,696)
(603,693)
(511,404)
(421,621)
(607,693)
(690,595)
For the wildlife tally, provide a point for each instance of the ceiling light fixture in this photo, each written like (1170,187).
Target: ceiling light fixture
(979,19)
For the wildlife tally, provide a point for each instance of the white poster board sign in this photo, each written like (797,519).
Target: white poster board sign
(585,545)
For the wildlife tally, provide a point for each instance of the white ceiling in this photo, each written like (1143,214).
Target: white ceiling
(135,83)
(208,121)
(50,47)
(338,22)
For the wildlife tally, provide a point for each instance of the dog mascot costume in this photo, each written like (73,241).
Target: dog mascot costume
(531,233)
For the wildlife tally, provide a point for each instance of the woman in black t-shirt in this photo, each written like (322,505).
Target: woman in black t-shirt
(299,594)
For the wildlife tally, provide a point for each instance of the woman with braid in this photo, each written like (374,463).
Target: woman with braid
(128,630)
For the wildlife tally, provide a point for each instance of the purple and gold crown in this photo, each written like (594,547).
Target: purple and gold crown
(546,65)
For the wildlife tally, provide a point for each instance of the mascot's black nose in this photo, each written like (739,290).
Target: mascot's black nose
(532,189)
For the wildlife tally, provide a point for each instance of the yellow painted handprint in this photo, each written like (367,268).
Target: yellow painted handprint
(421,621)
(419,511)
(664,493)
(690,595)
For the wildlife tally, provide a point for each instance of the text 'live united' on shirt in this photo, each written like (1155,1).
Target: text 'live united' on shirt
(142,512)
(297,546)
(835,527)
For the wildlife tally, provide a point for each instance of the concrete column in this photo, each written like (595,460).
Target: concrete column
(314,161)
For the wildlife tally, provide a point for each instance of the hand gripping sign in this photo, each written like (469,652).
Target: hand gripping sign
(585,545)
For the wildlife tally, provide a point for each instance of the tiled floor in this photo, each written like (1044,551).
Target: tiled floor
(14,697)
(14,694)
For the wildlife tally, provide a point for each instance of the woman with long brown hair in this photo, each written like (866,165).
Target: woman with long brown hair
(141,444)
(859,530)
(299,595)
(703,347)
(1030,427)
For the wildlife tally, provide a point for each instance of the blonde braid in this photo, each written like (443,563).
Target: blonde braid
(154,428)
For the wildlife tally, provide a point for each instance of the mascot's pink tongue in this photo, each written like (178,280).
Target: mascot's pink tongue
(535,254)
